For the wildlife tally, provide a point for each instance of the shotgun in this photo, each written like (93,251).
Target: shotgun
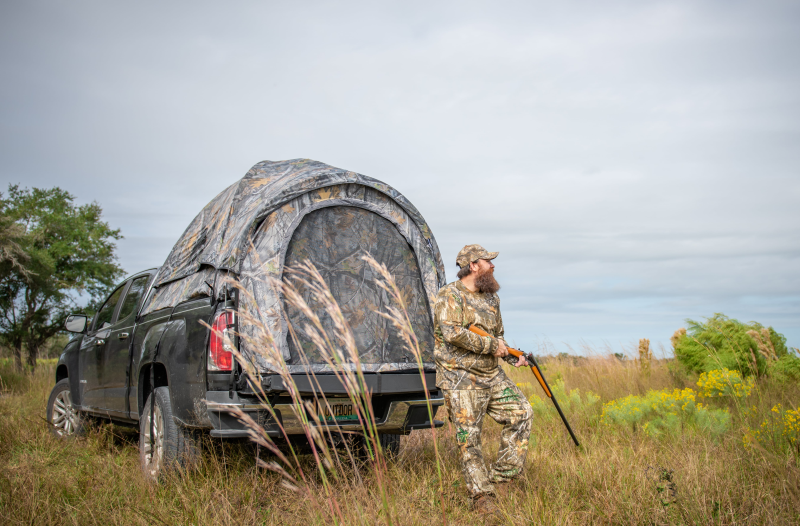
(538,374)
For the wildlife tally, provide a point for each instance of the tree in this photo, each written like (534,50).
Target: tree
(11,253)
(52,253)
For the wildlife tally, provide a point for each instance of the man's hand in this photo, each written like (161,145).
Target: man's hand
(502,350)
(522,361)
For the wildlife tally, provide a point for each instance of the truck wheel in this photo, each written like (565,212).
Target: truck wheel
(65,420)
(171,446)
(390,445)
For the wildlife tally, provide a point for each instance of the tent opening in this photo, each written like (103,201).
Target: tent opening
(335,239)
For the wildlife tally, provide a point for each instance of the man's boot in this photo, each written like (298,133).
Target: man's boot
(485,506)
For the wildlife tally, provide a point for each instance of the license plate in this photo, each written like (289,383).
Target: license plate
(336,411)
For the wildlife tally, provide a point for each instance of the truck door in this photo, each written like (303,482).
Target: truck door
(91,352)
(116,356)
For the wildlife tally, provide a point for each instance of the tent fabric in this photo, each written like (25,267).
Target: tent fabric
(248,230)
(267,260)
(219,235)
(335,239)
(194,286)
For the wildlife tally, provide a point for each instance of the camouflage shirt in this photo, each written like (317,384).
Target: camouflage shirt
(465,360)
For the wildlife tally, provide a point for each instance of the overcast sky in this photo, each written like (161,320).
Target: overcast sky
(635,163)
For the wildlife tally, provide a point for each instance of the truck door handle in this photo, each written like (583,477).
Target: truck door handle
(100,342)
(123,335)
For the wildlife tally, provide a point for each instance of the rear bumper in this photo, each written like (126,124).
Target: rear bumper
(398,416)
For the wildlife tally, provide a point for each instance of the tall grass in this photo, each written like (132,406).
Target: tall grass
(618,476)
(339,351)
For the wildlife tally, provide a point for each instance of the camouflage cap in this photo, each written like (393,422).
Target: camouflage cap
(472,253)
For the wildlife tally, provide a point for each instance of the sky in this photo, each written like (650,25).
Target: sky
(635,163)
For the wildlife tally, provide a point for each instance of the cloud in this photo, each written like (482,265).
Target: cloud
(635,163)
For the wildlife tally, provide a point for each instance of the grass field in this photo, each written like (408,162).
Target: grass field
(620,475)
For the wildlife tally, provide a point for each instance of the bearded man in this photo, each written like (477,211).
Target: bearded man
(469,373)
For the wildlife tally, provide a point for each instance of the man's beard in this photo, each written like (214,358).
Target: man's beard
(485,282)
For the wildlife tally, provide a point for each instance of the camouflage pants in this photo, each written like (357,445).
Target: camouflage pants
(506,404)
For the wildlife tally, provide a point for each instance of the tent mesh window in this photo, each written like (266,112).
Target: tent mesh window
(335,239)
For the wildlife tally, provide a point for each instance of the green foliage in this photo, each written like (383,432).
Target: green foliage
(11,253)
(572,402)
(663,411)
(14,381)
(722,342)
(724,383)
(786,368)
(51,252)
(780,429)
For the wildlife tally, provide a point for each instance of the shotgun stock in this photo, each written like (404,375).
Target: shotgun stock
(539,377)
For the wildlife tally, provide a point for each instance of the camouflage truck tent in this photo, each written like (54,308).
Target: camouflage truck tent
(283,213)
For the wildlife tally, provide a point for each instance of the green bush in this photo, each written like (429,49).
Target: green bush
(663,411)
(781,428)
(721,383)
(722,342)
(572,402)
(787,368)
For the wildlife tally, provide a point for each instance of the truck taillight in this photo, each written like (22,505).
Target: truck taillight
(220,357)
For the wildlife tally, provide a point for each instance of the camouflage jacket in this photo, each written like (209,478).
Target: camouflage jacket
(465,360)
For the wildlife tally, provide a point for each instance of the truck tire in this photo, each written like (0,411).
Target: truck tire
(65,420)
(391,445)
(173,446)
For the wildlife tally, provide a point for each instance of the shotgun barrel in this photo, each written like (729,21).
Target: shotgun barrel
(539,377)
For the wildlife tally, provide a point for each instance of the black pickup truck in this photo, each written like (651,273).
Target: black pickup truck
(148,357)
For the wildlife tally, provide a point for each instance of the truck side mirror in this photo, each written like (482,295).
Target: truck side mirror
(76,323)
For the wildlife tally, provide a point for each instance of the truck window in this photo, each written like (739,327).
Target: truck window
(133,296)
(103,317)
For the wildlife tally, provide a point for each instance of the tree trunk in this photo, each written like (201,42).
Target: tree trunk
(33,354)
(18,358)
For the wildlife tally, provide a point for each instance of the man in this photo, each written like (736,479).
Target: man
(469,373)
